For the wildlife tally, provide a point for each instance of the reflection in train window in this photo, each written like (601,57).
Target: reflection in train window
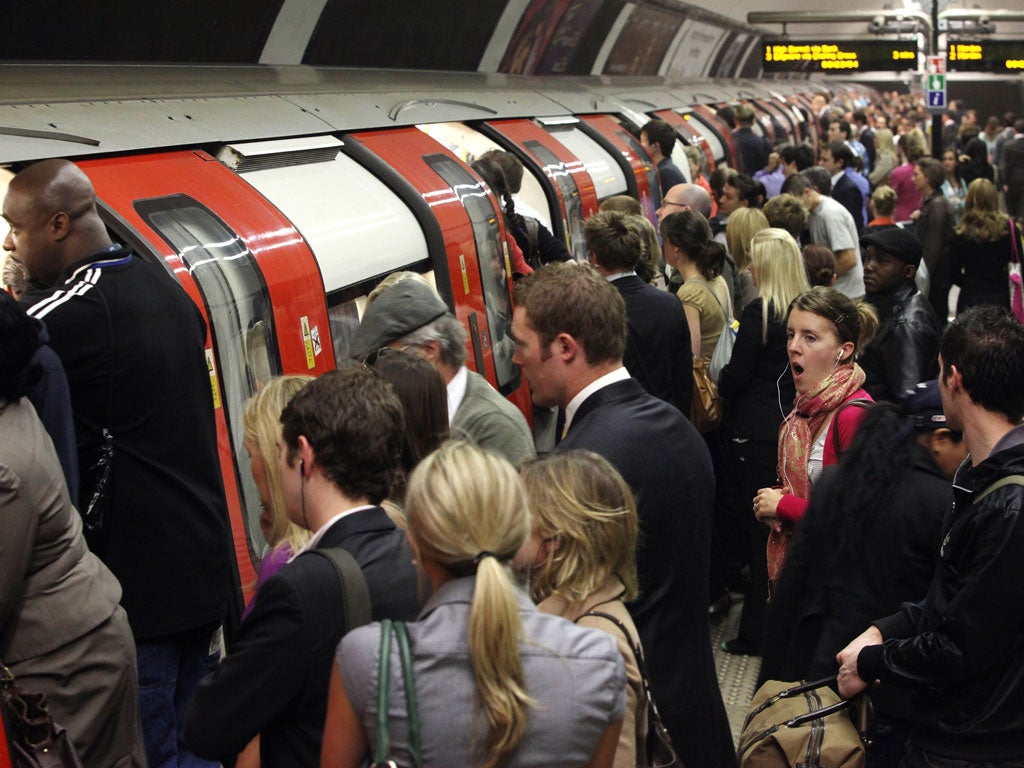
(492,255)
(558,173)
(238,305)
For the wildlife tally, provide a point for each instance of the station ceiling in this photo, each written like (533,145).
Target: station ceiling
(698,38)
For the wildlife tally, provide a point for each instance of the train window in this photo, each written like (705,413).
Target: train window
(492,256)
(710,136)
(467,143)
(357,228)
(558,173)
(608,177)
(241,318)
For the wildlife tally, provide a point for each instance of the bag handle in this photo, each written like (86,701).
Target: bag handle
(638,654)
(382,753)
(865,712)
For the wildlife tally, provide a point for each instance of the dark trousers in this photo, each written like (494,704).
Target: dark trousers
(753,465)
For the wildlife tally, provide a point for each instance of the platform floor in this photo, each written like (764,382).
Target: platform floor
(737,675)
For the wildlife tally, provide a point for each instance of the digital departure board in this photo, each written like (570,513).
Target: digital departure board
(985,56)
(839,56)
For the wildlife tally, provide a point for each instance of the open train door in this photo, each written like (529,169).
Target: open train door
(253,278)
(474,241)
(577,196)
(722,130)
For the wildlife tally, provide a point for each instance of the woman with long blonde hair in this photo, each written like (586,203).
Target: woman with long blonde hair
(581,557)
(261,422)
(758,392)
(497,683)
(980,249)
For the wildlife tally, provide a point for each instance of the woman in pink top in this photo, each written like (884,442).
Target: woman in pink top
(824,330)
(908,196)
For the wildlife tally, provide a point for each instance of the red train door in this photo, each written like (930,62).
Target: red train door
(251,275)
(643,176)
(475,245)
(721,127)
(573,185)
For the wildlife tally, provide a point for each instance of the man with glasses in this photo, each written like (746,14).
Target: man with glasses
(685,197)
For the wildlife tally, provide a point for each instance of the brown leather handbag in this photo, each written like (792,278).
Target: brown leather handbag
(33,739)
(706,409)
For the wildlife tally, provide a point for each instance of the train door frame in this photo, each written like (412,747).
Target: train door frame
(641,174)
(284,263)
(529,137)
(723,132)
(405,150)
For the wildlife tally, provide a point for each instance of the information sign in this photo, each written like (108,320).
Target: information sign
(839,56)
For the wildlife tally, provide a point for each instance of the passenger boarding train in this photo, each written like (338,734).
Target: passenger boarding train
(279,197)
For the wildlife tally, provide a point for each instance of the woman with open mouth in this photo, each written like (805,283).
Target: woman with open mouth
(825,329)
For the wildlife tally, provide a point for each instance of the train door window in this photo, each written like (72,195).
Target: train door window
(241,318)
(559,174)
(492,256)
(710,136)
(356,227)
(652,169)
(606,174)
(467,143)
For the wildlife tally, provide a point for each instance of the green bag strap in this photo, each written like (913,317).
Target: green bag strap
(1008,480)
(415,747)
(382,753)
(383,695)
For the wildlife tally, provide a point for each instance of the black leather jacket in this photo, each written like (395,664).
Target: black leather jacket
(905,349)
(962,647)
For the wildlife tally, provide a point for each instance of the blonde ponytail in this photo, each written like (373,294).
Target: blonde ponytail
(495,632)
(466,510)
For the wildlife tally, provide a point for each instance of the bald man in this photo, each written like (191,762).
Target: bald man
(685,197)
(133,346)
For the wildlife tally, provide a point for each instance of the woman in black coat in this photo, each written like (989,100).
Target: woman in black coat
(758,391)
(868,542)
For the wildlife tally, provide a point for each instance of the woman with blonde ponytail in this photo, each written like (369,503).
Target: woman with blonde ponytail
(497,683)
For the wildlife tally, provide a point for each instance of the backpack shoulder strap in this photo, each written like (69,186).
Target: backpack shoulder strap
(355,593)
(1002,482)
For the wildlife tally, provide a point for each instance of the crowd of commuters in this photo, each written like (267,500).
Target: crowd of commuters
(865,472)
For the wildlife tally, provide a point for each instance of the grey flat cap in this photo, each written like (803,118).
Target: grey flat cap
(400,310)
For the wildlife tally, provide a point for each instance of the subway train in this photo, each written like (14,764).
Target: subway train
(280,196)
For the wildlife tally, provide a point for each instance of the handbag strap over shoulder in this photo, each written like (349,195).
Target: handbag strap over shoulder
(401,637)
(355,594)
(638,654)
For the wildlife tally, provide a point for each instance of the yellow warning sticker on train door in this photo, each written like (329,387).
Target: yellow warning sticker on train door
(465,275)
(213,378)
(307,342)
(508,263)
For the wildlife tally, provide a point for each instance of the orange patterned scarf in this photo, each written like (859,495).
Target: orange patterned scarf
(796,437)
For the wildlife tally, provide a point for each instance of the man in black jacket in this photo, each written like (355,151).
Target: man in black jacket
(962,647)
(133,347)
(904,349)
(570,330)
(658,345)
(342,434)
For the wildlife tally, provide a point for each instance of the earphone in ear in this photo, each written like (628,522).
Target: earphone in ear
(302,467)
(839,356)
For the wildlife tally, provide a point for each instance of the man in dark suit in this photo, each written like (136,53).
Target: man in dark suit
(836,157)
(1012,171)
(658,351)
(342,435)
(570,330)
